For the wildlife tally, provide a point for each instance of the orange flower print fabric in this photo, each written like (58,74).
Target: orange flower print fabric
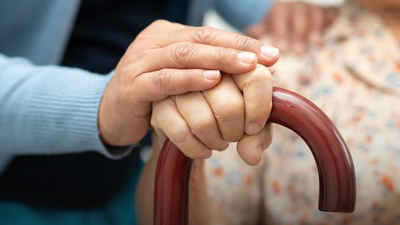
(355,79)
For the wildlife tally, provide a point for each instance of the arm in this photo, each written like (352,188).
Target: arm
(241,13)
(44,107)
(48,109)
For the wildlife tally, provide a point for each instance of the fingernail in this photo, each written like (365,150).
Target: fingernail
(246,57)
(269,51)
(253,128)
(211,74)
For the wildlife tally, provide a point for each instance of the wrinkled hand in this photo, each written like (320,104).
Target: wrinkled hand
(198,122)
(294,25)
(236,110)
(171,59)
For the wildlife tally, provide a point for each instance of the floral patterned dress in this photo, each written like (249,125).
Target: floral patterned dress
(355,79)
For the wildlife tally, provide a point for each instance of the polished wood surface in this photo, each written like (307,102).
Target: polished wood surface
(334,162)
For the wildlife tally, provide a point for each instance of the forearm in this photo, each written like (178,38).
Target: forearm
(241,13)
(48,109)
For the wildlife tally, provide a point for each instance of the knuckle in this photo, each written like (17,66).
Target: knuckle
(153,122)
(235,133)
(137,57)
(148,33)
(182,52)
(247,43)
(156,118)
(162,80)
(204,34)
(159,23)
(181,135)
(228,113)
(220,56)
(202,128)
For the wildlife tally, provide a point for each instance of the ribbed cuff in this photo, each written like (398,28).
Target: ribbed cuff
(63,112)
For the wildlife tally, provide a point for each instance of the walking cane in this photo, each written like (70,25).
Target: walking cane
(335,165)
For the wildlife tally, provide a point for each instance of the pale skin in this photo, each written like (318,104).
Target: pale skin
(235,110)
(202,211)
(389,10)
(211,119)
(207,119)
(170,59)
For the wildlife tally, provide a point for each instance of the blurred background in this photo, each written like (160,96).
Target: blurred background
(213,19)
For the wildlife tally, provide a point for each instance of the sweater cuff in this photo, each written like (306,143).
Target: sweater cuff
(64,112)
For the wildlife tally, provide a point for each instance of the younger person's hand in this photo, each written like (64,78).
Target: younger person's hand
(294,26)
(171,59)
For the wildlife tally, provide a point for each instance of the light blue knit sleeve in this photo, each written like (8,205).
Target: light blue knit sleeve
(242,13)
(49,109)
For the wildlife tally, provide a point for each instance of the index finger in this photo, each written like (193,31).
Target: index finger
(267,55)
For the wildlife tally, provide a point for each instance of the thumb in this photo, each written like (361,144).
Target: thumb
(251,147)
(155,86)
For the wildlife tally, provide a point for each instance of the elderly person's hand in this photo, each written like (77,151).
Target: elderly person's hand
(294,26)
(198,122)
(236,110)
(171,59)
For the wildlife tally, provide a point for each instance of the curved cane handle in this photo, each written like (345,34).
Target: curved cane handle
(334,162)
